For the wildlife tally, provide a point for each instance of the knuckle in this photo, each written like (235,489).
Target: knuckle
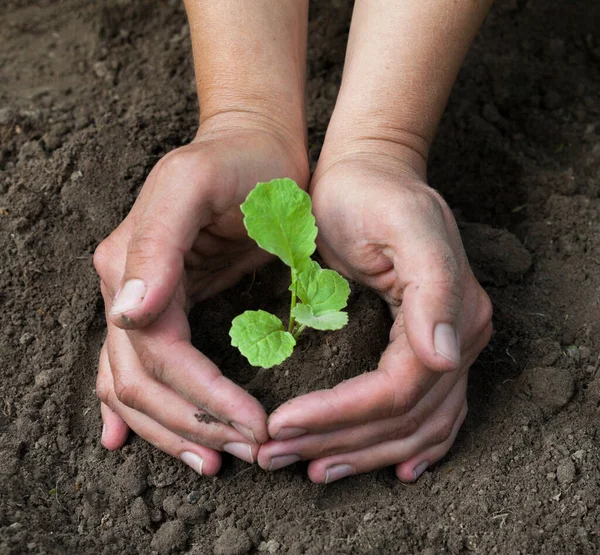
(180,166)
(154,243)
(447,272)
(442,430)
(146,357)
(403,428)
(410,424)
(149,359)
(424,198)
(487,309)
(102,256)
(102,391)
(127,393)
(144,246)
(334,400)
(325,450)
(173,162)
(398,401)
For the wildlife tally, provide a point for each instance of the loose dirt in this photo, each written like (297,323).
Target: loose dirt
(93,94)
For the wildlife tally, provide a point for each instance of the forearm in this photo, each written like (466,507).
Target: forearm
(403,58)
(249,59)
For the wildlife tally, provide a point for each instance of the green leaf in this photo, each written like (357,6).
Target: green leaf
(278,216)
(329,320)
(260,337)
(322,290)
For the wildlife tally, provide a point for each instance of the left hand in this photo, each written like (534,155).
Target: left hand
(383,226)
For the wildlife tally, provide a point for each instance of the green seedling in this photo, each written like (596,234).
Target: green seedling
(278,216)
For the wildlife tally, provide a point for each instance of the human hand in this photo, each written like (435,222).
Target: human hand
(380,224)
(183,241)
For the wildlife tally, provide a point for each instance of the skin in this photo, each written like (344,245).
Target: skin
(382,225)
(184,239)
(379,221)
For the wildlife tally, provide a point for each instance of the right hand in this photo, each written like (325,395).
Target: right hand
(183,241)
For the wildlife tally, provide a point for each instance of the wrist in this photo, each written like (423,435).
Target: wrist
(289,123)
(252,125)
(368,138)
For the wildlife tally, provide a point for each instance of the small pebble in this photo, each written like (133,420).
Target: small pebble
(131,481)
(193,496)
(548,387)
(573,352)
(584,353)
(490,113)
(138,513)
(26,338)
(170,537)
(31,150)
(232,541)
(156,515)
(64,318)
(192,514)
(566,472)
(271,546)
(297,548)
(7,115)
(45,378)
(171,504)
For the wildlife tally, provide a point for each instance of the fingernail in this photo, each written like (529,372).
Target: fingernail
(283,460)
(130,296)
(289,433)
(103,432)
(193,461)
(240,450)
(445,342)
(338,471)
(419,469)
(246,432)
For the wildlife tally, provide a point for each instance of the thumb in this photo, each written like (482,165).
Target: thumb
(432,304)
(173,214)
(153,271)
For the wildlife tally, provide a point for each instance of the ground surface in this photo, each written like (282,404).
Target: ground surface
(92,94)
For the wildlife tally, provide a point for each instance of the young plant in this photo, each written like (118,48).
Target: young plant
(278,216)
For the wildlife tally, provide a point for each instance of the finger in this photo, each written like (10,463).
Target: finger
(399,383)
(432,299)
(439,430)
(135,389)
(114,429)
(411,470)
(277,454)
(201,459)
(166,354)
(164,231)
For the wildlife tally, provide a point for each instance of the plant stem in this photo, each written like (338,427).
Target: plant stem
(298,331)
(293,303)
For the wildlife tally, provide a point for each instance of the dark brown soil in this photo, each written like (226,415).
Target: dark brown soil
(92,94)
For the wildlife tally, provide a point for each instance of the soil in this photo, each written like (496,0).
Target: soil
(92,94)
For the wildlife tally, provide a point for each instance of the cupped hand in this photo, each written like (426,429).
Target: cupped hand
(183,241)
(383,226)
